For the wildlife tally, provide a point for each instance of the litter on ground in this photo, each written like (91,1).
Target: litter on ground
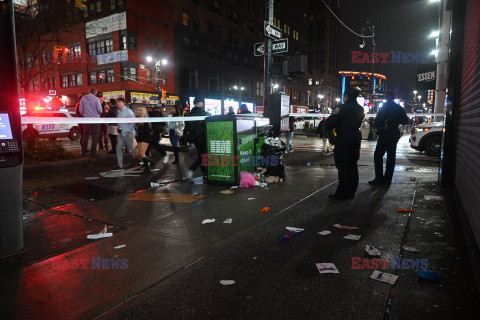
(251,198)
(289,235)
(265,209)
(227,282)
(229,220)
(100,235)
(326,268)
(411,249)
(439,198)
(296,230)
(120,246)
(384,277)
(198,180)
(208,221)
(405,210)
(324,232)
(352,237)
(429,275)
(228,191)
(372,251)
(344,227)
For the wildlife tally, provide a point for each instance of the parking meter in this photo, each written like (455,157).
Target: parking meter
(11,152)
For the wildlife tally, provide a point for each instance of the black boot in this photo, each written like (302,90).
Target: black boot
(146,166)
(152,163)
(176,161)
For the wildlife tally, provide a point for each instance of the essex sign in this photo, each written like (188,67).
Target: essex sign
(278,46)
(272,31)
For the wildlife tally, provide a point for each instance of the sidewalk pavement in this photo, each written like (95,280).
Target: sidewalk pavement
(175,263)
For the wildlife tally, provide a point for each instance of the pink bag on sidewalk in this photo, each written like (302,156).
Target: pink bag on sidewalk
(247,179)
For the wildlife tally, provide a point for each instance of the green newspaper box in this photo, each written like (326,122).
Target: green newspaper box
(234,143)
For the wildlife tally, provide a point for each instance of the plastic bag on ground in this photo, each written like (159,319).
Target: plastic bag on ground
(247,180)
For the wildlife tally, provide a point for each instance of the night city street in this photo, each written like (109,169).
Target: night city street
(239,159)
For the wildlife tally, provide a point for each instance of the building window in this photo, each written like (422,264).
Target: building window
(92,77)
(249,25)
(213,82)
(75,52)
(99,47)
(232,16)
(194,21)
(259,89)
(213,29)
(249,5)
(149,76)
(213,6)
(129,41)
(189,78)
(79,79)
(113,5)
(73,80)
(64,81)
(232,37)
(110,76)
(99,6)
(186,18)
(310,81)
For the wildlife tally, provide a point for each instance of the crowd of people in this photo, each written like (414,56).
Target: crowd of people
(121,138)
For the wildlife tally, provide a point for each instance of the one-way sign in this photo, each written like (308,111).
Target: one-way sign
(278,46)
(272,31)
(259,49)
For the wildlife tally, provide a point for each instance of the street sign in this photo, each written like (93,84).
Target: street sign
(259,49)
(280,45)
(272,31)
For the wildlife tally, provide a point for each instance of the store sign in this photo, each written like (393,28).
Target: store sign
(146,98)
(112,23)
(213,106)
(426,76)
(107,95)
(111,57)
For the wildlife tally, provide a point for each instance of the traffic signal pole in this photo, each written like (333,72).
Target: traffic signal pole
(268,59)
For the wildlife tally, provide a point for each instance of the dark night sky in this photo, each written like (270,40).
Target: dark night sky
(400,25)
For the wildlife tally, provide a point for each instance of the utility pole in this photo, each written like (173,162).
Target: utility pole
(268,59)
(442,60)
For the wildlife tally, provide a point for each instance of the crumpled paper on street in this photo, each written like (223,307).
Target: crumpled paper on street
(411,249)
(208,221)
(296,230)
(352,237)
(326,268)
(324,232)
(339,226)
(100,235)
(372,251)
(229,220)
(384,277)
(227,282)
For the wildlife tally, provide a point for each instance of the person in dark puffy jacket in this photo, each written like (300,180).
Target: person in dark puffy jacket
(195,131)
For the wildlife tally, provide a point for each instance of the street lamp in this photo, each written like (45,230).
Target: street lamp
(337,99)
(419,98)
(158,63)
(434,34)
(321,96)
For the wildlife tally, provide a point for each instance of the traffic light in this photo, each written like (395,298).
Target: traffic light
(81,4)
(164,94)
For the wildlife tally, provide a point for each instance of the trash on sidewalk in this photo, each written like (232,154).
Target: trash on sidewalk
(326,268)
(101,234)
(344,227)
(227,282)
(247,180)
(265,209)
(229,220)
(234,187)
(260,184)
(195,194)
(198,180)
(251,198)
(120,246)
(324,232)
(405,210)
(352,237)
(92,178)
(154,185)
(439,198)
(372,251)
(289,235)
(208,221)
(429,275)
(384,277)
(228,191)
(296,230)
(411,249)
(272,179)
(413,179)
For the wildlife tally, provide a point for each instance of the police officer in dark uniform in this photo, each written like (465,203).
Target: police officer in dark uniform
(345,121)
(390,116)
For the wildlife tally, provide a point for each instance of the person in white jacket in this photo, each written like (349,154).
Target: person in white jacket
(175,131)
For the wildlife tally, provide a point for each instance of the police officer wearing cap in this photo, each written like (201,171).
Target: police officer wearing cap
(390,116)
(345,122)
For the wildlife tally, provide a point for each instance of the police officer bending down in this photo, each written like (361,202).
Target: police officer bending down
(346,120)
(390,116)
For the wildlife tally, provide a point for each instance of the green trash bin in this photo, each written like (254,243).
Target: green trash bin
(233,145)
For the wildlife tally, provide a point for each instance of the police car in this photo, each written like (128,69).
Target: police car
(427,137)
(54,130)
